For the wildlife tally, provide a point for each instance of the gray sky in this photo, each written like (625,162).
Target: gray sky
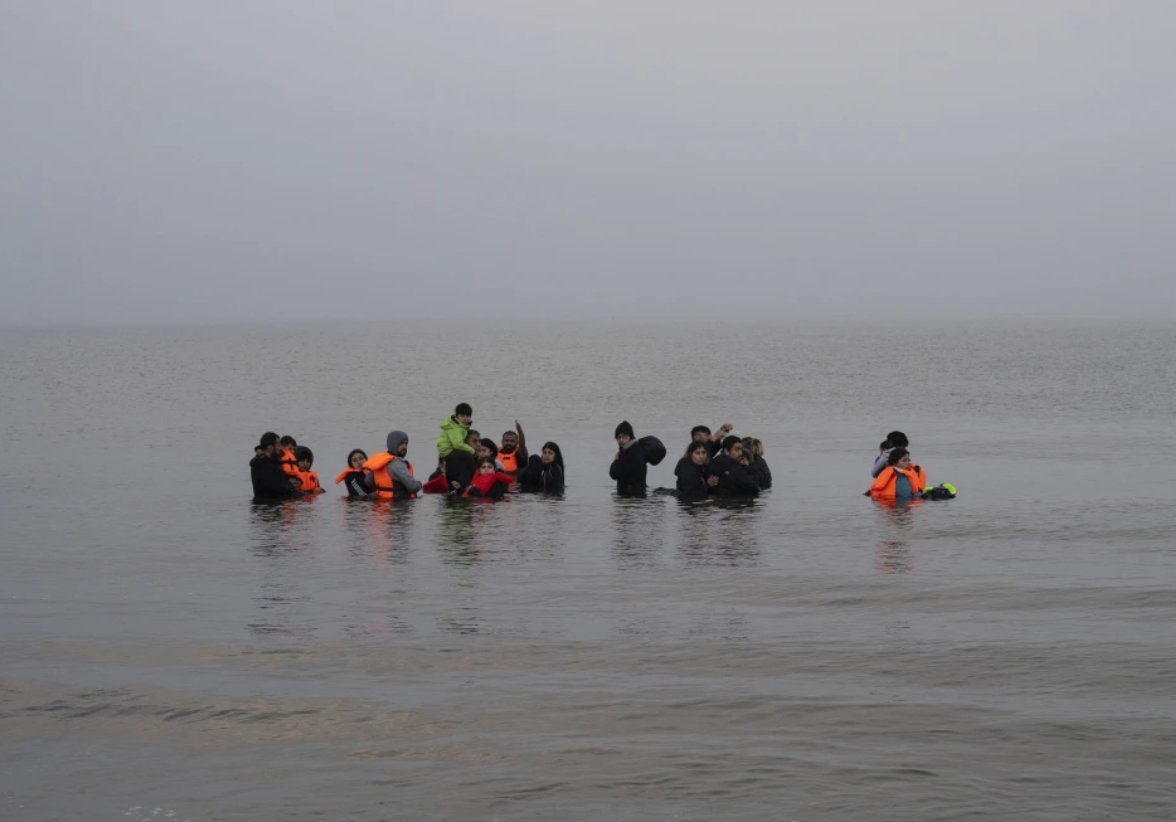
(239,159)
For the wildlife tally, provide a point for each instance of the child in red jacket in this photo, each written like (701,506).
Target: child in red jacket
(489,481)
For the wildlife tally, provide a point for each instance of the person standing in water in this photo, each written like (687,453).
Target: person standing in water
(544,474)
(270,481)
(513,451)
(629,466)
(453,446)
(695,481)
(390,474)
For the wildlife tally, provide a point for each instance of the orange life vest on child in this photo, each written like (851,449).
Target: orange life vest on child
(378,465)
(346,473)
(884,486)
(310,482)
(510,462)
(289,464)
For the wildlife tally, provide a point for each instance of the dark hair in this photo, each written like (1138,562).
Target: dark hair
(896,455)
(303,453)
(288,440)
(699,429)
(473,433)
(490,445)
(463,409)
(488,461)
(884,445)
(897,439)
(506,434)
(267,439)
(730,441)
(694,446)
(355,451)
(558,453)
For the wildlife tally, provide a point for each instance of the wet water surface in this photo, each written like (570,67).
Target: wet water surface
(171,650)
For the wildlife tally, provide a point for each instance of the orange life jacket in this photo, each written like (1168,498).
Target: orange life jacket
(289,464)
(378,465)
(884,486)
(310,482)
(510,462)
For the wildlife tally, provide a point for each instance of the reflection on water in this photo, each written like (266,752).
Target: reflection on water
(280,543)
(639,537)
(723,533)
(379,531)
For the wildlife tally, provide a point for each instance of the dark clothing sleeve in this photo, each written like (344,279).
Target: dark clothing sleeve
(269,480)
(629,471)
(713,447)
(761,473)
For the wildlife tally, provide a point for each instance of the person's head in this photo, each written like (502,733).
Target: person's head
(356,459)
(473,438)
(397,444)
(486,466)
(268,444)
(552,454)
(756,447)
(696,452)
(745,457)
(700,433)
(304,456)
(289,442)
(463,413)
(733,446)
(624,434)
(489,447)
(884,445)
(899,458)
(897,439)
(510,441)
(748,450)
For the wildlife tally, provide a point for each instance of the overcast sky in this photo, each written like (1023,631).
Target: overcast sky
(234,160)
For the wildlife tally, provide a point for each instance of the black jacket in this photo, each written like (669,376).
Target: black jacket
(691,480)
(761,473)
(535,476)
(269,480)
(734,480)
(629,471)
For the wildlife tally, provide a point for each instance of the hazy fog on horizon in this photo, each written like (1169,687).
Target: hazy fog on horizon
(217,161)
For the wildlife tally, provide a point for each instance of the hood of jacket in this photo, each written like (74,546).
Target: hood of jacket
(394,440)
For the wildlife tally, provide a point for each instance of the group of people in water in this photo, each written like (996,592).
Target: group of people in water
(718,464)
(468,465)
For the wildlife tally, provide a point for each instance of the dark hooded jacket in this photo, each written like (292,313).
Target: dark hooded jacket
(629,470)
(691,480)
(734,481)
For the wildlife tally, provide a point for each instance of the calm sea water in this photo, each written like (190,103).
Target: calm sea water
(169,650)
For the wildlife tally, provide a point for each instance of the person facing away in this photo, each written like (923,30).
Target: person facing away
(895,439)
(700,433)
(629,466)
(758,468)
(454,447)
(544,473)
(734,480)
(900,479)
(390,475)
(695,481)
(489,481)
(308,479)
(353,475)
(513,451)
(270,481)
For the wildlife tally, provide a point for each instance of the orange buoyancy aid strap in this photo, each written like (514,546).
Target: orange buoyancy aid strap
(378,465)
(289,464)
(345,473)
(510,462)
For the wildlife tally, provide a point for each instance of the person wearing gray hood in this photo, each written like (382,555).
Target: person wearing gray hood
(391,475)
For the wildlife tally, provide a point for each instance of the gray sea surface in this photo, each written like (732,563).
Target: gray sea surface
(170,650)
